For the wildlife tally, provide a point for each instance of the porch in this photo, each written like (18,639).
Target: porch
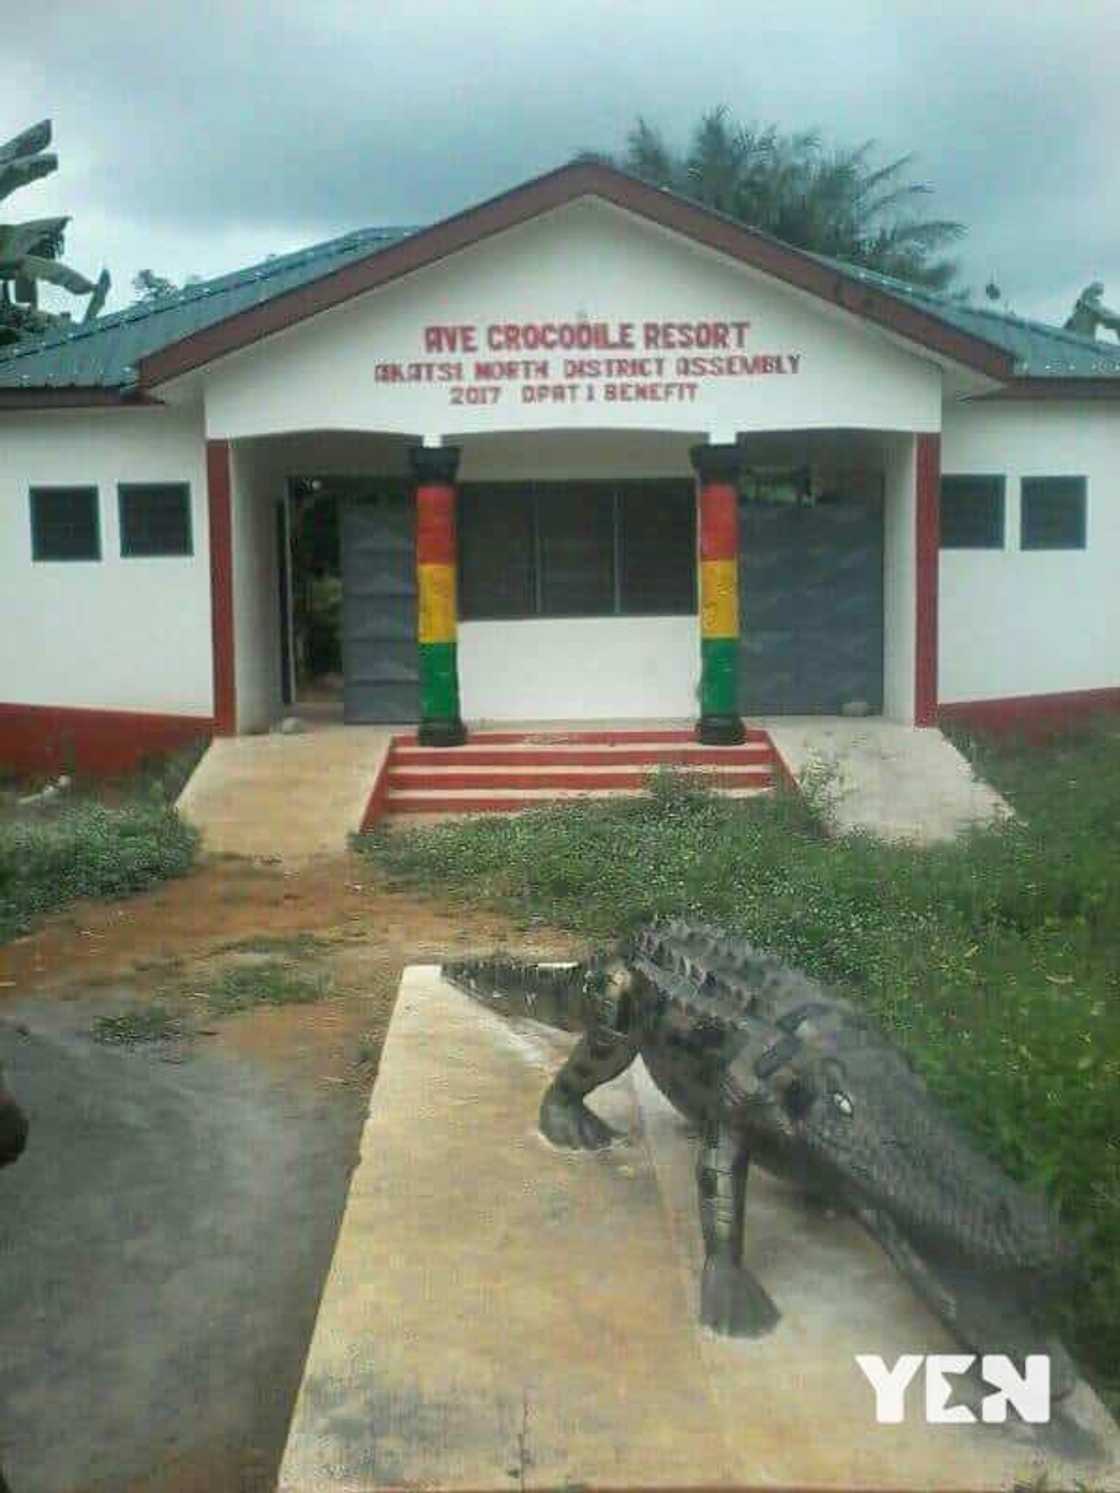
(290,797)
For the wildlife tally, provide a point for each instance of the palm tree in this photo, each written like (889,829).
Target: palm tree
(829,200)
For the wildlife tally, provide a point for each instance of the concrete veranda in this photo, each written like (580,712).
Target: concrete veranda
(295,796)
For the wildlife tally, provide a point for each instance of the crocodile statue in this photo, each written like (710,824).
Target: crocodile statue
(770,1066)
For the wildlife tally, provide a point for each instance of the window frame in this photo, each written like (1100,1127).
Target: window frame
(127,489)
(89,490)
(1033,546)
(998,480)
(540,492)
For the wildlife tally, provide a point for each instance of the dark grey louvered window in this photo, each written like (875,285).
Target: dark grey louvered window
(497,572)
(657,548)
(64,523)
(577,549)
(972,512)
(155,518)
(1053,513)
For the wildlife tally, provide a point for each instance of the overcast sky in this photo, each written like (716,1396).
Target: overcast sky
(197,136)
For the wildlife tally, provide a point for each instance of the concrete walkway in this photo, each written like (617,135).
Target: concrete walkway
(501,1314)
(895,782)
(289,797)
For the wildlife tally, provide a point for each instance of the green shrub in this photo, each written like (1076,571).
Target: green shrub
(87,850)
(994,961)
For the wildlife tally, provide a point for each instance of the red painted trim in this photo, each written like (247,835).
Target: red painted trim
(926,564)
(60,738)
(48,398)
(474,756)
(718,504)
(562,738)
(541,195)
(375,805)
(1056,388)
(403,781)
(435,524)
(221,586)
(1036,716)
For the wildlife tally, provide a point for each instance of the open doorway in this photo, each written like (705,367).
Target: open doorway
(312,638)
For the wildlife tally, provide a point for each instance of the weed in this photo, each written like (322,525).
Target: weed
(271,983)
(154,1023)
(87,850)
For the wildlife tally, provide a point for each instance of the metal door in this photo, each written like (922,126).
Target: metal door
(811,597)
(380,661)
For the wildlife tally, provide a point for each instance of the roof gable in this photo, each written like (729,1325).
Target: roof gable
(133,351)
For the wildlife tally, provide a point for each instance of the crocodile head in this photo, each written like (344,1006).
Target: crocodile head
(856,1124)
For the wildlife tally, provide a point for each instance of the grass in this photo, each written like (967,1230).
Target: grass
(153,1023)
(86,849)
(273,982)
(994,961)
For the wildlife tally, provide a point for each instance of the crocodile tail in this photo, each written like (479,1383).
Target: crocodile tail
(552,993)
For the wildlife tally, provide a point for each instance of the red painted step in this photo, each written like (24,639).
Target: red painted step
(575,756)
(507,771)
(758,777)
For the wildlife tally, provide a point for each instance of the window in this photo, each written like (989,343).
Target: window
(64,524)
(1053,513)
(577,549)
(972,513)
(155,518)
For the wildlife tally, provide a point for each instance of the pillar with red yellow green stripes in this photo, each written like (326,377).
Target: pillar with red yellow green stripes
(433,468)
(717,472)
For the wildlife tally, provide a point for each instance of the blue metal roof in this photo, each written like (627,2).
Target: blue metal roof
(104,353)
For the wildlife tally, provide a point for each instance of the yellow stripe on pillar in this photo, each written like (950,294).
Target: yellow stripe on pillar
(719,598)
(436,604)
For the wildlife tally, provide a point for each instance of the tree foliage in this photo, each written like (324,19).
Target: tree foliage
(30,253)
(834,200)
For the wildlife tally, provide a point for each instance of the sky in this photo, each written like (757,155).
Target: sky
(197,137)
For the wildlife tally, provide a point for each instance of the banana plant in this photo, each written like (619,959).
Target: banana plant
(30,252)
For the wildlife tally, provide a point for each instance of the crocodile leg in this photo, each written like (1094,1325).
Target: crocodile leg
(599,1055)
(731,1299)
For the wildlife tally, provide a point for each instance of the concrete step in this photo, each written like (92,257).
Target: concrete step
(504,771)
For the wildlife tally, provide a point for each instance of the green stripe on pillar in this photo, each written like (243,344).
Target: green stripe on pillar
(439,682)
(719,676)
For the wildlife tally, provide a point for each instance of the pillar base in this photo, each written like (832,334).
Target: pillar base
(441,733)
(720,730)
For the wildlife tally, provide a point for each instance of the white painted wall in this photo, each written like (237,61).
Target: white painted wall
(1015,622)
(579,668)
(588,260)
(899,591)
(113,634)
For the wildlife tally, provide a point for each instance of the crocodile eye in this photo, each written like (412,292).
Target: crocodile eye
(842,1103)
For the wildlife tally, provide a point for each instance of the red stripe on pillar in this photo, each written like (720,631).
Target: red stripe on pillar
(927,556)
(435,524)
(719,521)
(221,586)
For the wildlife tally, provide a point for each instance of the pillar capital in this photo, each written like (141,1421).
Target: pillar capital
(434,463)
(717,463)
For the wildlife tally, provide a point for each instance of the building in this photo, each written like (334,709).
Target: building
(599,453)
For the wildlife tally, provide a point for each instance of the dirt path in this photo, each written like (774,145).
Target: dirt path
(165,1238)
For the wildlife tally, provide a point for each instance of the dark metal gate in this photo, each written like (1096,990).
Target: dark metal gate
(811,595)
(380,664)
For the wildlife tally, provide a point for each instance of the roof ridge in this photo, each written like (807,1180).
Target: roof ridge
(198,290)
